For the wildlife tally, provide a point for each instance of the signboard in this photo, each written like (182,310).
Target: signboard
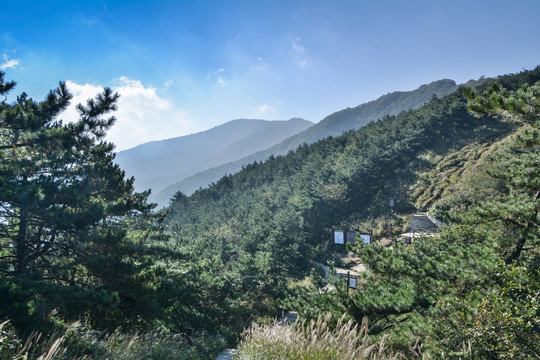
(352,282)
(366,238)
(339,237)
(351,236)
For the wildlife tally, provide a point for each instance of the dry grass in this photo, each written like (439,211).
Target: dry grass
(116,346)
(34,347)
(314,340)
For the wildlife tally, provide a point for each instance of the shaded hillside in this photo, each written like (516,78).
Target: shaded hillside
(333,125)
(158,163)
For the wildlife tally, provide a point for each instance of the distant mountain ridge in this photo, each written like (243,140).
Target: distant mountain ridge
(157,164)
(333,125)
(354,118)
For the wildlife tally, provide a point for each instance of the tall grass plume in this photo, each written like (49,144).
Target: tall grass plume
(313,340)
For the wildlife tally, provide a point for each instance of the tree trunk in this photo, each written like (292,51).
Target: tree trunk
(21,245)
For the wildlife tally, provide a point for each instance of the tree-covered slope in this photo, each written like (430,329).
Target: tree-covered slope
(157,164)
(333,125)
(263,225)
(352,174)
(353,118)
(473,291)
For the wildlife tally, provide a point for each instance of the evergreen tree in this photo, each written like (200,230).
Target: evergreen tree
(63,205)
(519,209)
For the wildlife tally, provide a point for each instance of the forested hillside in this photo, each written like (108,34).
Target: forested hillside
(477,285)
(332,125)
(267,222)
(341,180)
(78,244)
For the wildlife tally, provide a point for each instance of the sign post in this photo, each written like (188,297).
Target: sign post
(342,237)
(351,237)
(351,282)
(389,231)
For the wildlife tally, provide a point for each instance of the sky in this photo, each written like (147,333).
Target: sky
(182,66)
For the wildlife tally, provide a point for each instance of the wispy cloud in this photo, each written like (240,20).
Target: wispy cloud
(142,114)
(221,82)
(89,21)
(217,78)
(299,52)
(265,108)
(297,47)
(7,64)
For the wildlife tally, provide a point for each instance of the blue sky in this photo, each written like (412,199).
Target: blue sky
(186,66)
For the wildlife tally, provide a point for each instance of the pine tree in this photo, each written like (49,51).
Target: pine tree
(63,204)
(519,209)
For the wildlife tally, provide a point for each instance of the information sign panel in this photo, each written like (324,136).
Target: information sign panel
(351,236)
(352,283)
(339,237)
(366,238)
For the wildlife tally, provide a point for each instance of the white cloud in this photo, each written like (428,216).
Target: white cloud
(298,53)
(8,63)
(80,93)
(142,114)
(263,109)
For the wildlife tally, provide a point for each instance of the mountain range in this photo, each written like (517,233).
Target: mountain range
(333,125)
(157,164)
